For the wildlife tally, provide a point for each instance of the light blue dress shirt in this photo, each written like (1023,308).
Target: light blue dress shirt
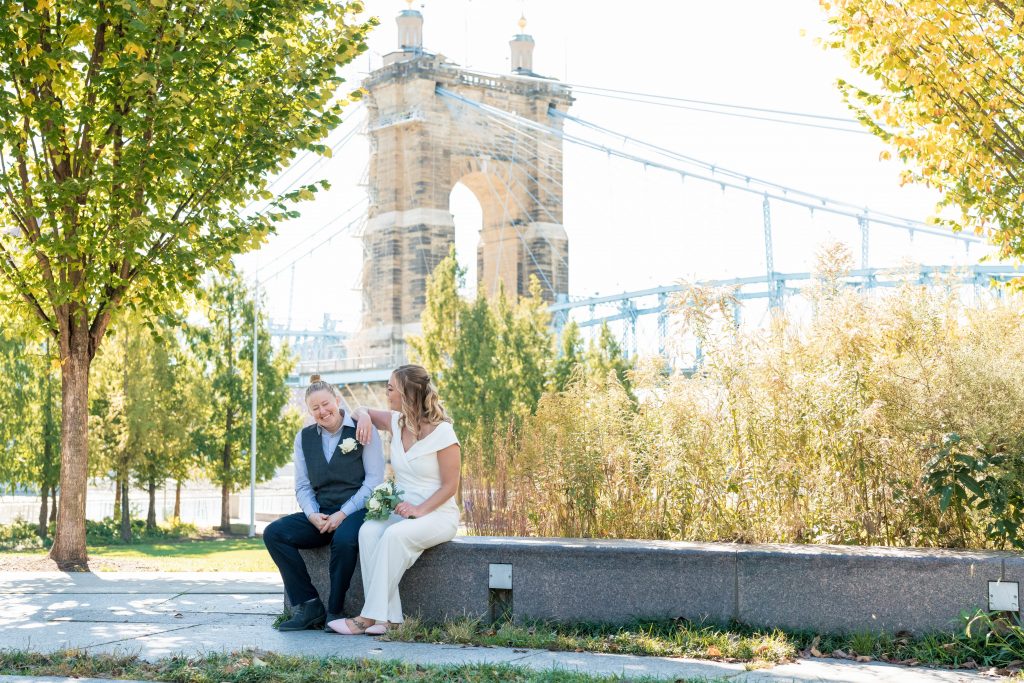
(373,464)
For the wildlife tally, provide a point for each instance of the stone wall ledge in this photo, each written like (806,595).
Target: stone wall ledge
(824,588)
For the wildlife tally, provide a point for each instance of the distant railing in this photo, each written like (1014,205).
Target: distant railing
(385,359)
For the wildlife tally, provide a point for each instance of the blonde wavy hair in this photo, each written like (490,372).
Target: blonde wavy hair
(420,401)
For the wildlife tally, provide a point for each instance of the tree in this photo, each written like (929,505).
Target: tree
(28,402)
(604,357)
(224,348)
(123,411)
(526,346)
(132,136)
(144,407)
(440,317)
(175,384)
(570,357)
(948,98)
(491,359)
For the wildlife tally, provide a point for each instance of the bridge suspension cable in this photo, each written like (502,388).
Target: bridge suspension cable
(698,105)
(358,115)
(779,192)
(506,148)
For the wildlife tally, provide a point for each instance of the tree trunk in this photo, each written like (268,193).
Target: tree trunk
(177,501)
(225,507)
(151,515)
(68,549)
(117,498)
(48,485)
(53,505)
(44,498)
(126,515)
(225,482)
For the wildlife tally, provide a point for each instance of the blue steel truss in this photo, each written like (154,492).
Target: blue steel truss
(773,286)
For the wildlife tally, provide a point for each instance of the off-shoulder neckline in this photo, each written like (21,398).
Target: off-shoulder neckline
(396,434)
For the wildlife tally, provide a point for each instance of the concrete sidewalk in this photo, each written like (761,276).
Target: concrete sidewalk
(156,615)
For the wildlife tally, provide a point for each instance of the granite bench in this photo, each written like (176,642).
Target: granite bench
(831,589)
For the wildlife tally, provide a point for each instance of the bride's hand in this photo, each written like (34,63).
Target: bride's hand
(364,428)
(407,510)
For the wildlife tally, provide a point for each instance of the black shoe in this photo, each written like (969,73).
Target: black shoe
(309,614)
(328,619)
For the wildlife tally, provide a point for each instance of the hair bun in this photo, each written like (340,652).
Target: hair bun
(313,379)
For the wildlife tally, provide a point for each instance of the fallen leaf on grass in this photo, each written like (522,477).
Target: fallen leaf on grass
(863,658)
(713,651)
(839,654)
(815,652)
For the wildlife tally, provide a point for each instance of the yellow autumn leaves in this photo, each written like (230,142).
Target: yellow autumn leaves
(947,94)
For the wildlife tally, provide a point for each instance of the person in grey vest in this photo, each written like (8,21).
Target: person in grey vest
(334,474)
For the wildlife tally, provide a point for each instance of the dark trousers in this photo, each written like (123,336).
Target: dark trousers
(285,536)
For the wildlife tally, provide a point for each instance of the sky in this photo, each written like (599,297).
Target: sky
(630,227)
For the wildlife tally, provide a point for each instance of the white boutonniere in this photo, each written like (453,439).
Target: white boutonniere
(348,445)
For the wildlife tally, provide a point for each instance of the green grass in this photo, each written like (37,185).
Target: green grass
(662,639)
(253,666)
(228,554)
(990,641)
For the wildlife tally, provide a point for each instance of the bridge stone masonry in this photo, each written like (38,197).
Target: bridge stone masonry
(420,149)
(827,589)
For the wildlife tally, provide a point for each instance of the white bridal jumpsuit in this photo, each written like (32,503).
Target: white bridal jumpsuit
(388,547)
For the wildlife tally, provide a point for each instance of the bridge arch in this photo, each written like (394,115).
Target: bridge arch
(421,147)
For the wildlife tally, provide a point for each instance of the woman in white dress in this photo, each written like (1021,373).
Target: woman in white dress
(426,459)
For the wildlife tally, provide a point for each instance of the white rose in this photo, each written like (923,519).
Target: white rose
(373,504)
(348,445)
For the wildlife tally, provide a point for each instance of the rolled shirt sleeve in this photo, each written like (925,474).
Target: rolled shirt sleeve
(373,464)
(304,492)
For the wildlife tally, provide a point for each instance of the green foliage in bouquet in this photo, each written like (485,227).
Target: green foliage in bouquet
(383,499)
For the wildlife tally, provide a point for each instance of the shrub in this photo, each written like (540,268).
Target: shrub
(21,535)
(108,531)
(824,430)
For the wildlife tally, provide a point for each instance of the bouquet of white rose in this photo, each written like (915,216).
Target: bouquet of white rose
(383,499)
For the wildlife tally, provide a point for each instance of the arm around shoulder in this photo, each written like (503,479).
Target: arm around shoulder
(381,419)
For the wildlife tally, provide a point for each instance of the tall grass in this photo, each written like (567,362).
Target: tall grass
(814,431)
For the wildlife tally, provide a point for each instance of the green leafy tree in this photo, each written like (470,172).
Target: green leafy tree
(469,384)
(126,407)
(526,348)
(604,357)
(132,137)
(170,370)
(224,348)
(28,454)
(176,385)
(570,358)
(491,359)
(440,318)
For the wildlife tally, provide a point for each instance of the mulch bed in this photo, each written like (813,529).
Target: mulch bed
(16,563)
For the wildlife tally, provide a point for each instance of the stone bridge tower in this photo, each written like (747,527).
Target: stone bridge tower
(421,145)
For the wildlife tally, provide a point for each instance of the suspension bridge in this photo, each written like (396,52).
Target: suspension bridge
(432,124)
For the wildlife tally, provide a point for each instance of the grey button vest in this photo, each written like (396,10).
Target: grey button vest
(336,481)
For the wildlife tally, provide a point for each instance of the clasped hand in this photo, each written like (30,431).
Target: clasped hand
(327,523)
(408,510)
